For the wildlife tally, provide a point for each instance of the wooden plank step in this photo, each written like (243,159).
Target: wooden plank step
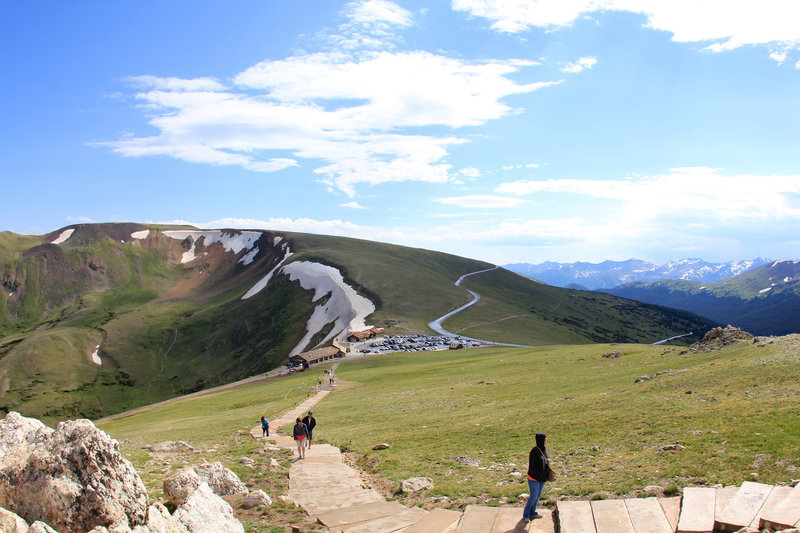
(743,507)
(784,514)
(436,521)
(477,519)
(386,524)
(648,516)
(575,517)
(358,513)
(611,516)
(697,510)
(672,510)
(776,496)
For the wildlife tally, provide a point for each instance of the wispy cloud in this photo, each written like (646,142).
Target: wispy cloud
(350,114)
(718,24)
(576,67)
(353,205)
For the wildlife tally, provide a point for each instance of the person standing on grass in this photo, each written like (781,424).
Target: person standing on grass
(538,472)
(301,437)
(264,426)
(310,423)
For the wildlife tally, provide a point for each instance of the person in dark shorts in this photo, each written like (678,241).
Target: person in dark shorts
(264,426)
(310,423)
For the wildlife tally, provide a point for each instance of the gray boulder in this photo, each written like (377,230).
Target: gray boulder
(73,478)
(221,480)
(257,498)
(205,512)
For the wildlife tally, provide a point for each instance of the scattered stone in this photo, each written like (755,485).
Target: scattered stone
(416,484)
(515,473)
(247,461)
(285,499)
(73,478)
(169,446)
(273,463)
(467,461)
(671,448)
(641,378)
(653,490)
(595,448)
(523,497)
(257,498)
(205,512)
(381,446)
(612,355)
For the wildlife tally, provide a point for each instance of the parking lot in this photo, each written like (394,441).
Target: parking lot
(412,343)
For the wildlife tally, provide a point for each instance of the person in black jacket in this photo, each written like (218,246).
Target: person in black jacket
(310,423)
(538,471)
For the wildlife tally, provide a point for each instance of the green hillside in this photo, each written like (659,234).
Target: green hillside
(733,410)
(763,301)
(167,313)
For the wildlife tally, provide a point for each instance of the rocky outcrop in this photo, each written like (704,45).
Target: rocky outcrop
(169,446)
(719,337)
(73,478)
(221,480)
(257,498)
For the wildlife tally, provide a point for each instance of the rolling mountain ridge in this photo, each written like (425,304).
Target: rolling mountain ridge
(98,318)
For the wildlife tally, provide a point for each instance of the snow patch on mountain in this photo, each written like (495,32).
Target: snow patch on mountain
(140,234)
(260,284)
(232,241)
(66,234)
(344,307)
(96,358)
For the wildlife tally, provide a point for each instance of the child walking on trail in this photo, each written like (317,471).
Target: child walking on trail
(264,426)
(300,435)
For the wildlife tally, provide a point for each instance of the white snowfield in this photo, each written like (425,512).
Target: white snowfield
(232,241)
(259,286)
(140,234)
(96,358)
(345,307)
(66,234)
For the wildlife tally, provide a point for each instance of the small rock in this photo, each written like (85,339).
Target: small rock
(515,473)
(641,378)
(38,527)
(595,448)
(467,461)
(247,461)
(273,463)
(671,448)
(523,497)
(257,498)
(381,446)
(612,355)
(416,484)
(285,499)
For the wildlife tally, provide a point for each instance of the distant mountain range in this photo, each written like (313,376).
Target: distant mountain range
(763,300)
(610,274)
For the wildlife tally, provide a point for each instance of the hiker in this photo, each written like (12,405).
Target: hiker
(264,426)
(300,434)
(538,472)
(310,423)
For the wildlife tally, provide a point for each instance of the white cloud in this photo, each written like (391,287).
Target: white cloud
(470,172)
(706,191)
(353,205)
(351,114)
(723,24)
(481,201)
(576,67)
(84,220)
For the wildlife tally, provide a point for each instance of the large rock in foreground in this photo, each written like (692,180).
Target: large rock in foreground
(73,478)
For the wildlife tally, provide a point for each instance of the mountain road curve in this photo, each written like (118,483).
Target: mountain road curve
(436,325)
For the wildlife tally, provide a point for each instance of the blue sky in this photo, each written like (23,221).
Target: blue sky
(503,130)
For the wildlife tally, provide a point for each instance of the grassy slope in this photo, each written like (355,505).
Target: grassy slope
(414,285)
(740,418)
(734,410)
(516,309)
